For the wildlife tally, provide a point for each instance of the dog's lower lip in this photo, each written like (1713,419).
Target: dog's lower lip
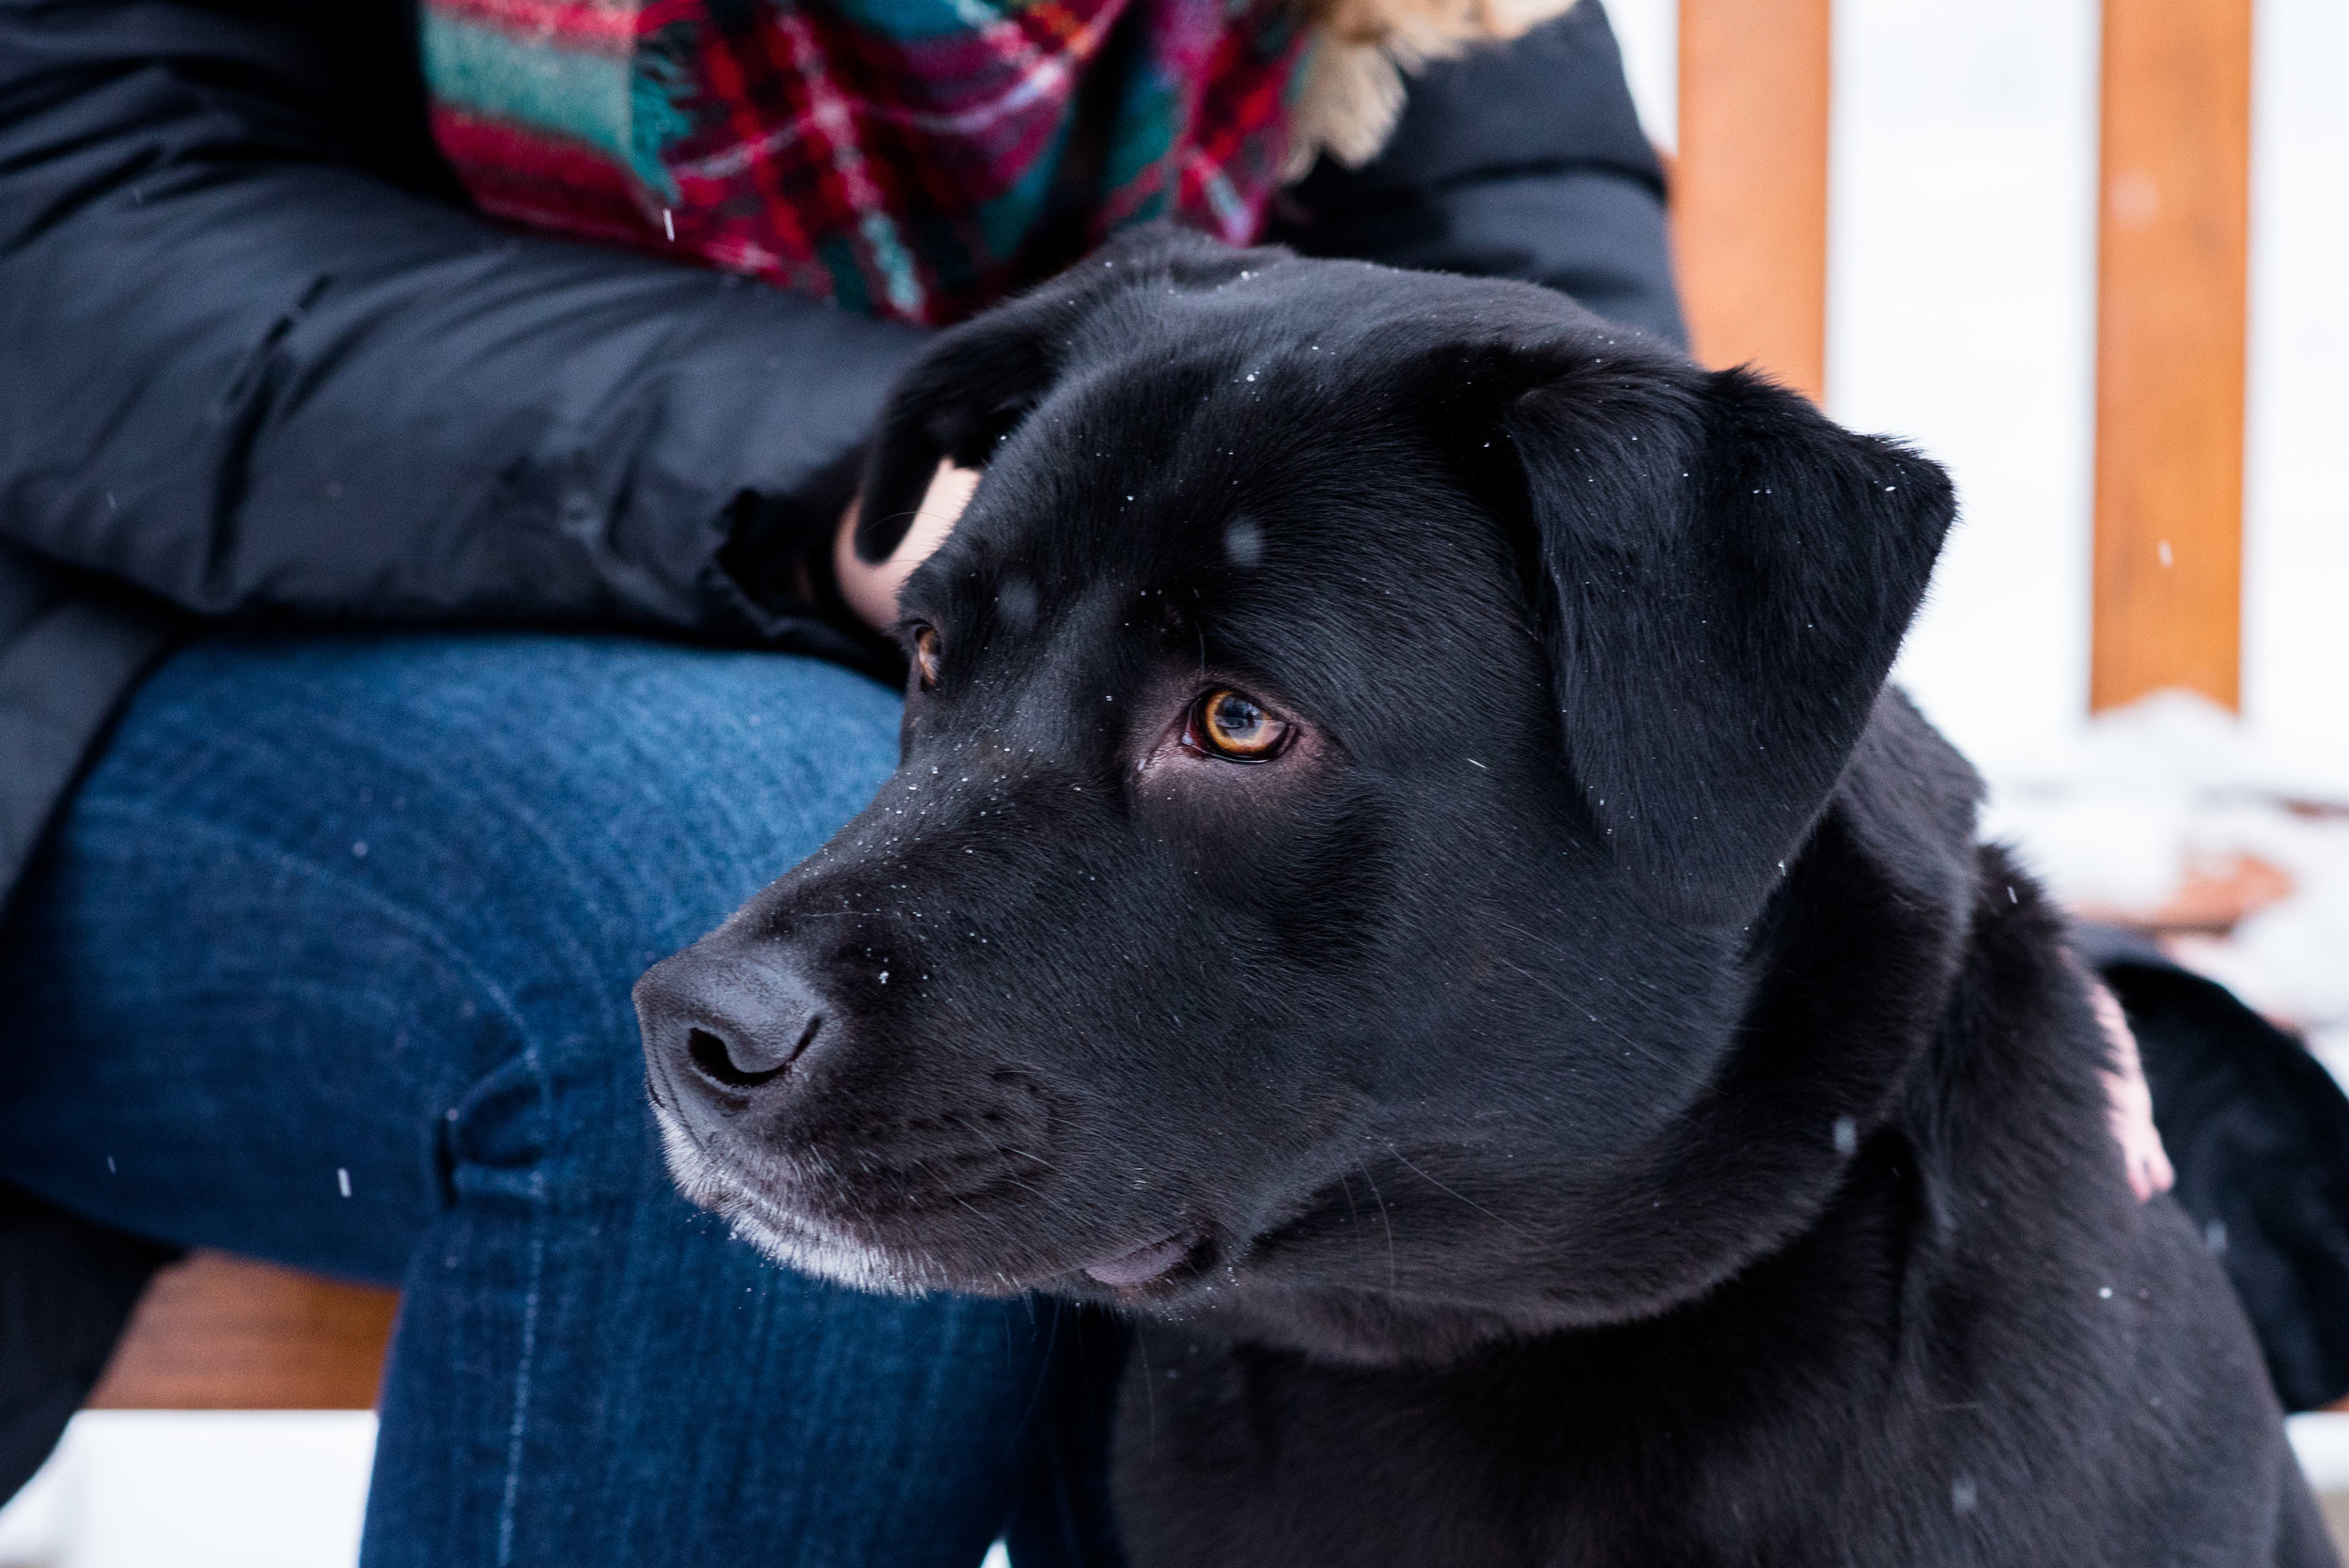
(1145,1264)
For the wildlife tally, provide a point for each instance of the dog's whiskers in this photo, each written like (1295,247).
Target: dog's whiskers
(1462,1197)
(1386,1221)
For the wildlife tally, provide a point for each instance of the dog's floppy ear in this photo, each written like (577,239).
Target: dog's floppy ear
(1726,575)
(972,387)
(976,382)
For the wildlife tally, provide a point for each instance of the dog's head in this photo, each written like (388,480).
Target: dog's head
(1354,735)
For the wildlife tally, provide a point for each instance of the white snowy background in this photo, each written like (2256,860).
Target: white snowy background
(1962,256)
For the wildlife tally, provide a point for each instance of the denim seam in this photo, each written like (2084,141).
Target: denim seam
(532,1061)
(509,1504)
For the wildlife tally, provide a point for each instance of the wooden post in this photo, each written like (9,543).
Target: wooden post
(1750,187)
(2171,243)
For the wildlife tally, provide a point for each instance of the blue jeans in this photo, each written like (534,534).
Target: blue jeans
(329,964)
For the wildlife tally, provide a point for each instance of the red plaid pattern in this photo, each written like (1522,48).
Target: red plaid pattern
(899,157)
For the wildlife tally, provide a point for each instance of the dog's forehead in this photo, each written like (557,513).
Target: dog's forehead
(1185,487)
(1206,431)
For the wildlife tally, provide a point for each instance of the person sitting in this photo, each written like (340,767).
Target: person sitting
(422,457)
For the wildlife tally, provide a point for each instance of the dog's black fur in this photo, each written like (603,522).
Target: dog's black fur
(1589,1100)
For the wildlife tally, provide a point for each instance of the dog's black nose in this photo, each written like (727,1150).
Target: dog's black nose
(721,1027)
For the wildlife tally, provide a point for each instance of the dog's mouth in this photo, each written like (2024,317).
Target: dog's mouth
(1134,1273)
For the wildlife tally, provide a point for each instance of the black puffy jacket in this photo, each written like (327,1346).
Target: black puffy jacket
(260,358)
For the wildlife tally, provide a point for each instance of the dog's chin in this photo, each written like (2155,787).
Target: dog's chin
(787,1236)
(1161,1274)
(759,1212)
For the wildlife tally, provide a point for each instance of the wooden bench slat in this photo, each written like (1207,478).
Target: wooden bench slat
(223,1333)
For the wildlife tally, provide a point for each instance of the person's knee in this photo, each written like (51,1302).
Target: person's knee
(391,893)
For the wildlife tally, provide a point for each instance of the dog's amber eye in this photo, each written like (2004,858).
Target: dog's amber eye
(1235,727)
(925,656)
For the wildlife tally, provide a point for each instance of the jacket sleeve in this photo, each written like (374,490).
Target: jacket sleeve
(256,357)
(1525,161)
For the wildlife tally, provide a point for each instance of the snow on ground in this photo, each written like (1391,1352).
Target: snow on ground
(2175,815)
(196,1489)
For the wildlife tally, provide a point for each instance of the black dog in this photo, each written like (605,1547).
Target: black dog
(1405,875)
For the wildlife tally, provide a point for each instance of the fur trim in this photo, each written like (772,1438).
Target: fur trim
(1352,92)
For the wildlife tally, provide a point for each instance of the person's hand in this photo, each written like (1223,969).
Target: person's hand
(871,586)
(2131,1103)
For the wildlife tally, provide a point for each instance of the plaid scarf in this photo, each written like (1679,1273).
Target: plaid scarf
(912,159)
